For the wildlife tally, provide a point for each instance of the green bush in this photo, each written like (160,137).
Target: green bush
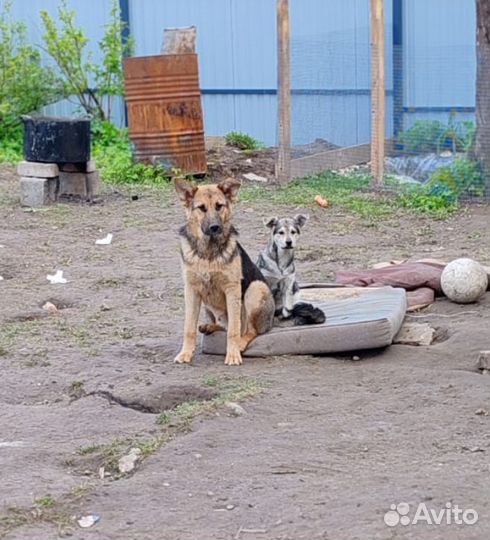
(111,149)
(463,178)
(243,141)
(11,144)
(438,205)
(66,44)
(25,84)
(423,136)
(433,136)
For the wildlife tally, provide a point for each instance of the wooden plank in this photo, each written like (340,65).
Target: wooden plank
(179,40)
(330,160)
(283,160)
(378,91)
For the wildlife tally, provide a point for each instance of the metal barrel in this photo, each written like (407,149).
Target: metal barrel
(164,111)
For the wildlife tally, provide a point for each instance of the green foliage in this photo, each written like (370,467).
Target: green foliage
(25,85)
(111,149)
(67,46)
(439,202)
(353,193)
(45,502)
(469,177)
(433,136)
(11,143)
(243,141)
(463,178)
(423,136)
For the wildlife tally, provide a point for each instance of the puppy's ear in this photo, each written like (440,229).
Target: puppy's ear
(270,222)
(230,187)
(185,190)
(300,219)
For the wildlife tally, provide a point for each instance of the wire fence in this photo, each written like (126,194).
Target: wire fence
(429,129)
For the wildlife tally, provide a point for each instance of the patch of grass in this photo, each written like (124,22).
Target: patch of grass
(243,141)
(46,509)
(110,282)
(211,381)
(112,151)
(78,492)
(79,334)
(59,215)
(45,502)
(76,390)
(13,333)
(150,446)
(354,194)
(229,390)
(107,455)
(90,449)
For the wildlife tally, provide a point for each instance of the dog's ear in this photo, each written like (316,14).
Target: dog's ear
(270,222)
(230,187)
(300,220)
(185,190)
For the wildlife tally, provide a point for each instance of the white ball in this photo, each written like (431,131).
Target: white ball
(464,281)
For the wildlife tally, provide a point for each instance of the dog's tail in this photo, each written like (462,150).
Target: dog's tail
(304,313)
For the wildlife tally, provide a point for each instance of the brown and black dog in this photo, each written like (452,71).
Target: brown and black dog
(218,272)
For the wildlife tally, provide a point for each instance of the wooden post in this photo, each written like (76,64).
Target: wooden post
(179,40)
(283,160)
(378,92)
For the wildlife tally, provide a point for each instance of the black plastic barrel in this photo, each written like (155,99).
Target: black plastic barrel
(56,140)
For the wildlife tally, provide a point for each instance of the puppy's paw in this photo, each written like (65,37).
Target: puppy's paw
(285,314)
(184,357)
(233,357)
(210,328)
(245,341)
(243,344)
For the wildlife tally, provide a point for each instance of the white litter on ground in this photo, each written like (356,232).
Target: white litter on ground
(88,521)
(254,177)
(104,241)
(12,444)
(56,278)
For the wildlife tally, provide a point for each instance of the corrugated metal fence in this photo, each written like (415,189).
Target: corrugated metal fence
(330,60)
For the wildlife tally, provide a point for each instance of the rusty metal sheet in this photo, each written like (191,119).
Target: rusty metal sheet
(164,111)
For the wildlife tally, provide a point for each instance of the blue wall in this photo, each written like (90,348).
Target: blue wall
(330,47)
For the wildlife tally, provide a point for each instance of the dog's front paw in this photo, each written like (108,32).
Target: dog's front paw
(285,314)
(184,357)
(233,357)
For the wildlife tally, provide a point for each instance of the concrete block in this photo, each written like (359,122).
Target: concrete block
(53,188)
(72,167)
(93,183)
(35,169)
(87,166)
(415,334)
(90,166)
(73,183)
(34,192)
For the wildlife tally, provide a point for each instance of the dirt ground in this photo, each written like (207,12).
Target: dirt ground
(326,444)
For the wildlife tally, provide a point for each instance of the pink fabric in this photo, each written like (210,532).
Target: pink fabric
(409,276)
(421,279)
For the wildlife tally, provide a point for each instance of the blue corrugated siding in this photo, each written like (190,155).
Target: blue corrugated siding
(440,56)
(330,45)
(91,15)
(236,47)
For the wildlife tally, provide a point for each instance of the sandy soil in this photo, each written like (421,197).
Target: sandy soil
(322,451)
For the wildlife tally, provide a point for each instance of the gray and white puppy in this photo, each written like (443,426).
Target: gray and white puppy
(276,262)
